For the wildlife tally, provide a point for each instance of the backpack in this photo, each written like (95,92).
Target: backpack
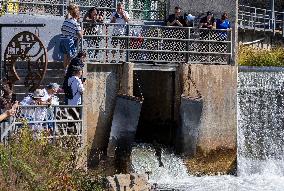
(68,89)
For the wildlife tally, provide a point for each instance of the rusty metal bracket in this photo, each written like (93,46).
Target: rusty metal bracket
(27,53)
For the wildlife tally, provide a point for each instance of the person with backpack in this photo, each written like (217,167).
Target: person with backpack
(75,87)
(76,62)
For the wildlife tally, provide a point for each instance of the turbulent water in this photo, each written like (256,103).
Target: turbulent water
(260,144)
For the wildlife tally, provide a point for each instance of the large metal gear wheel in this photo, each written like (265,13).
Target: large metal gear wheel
(27,49)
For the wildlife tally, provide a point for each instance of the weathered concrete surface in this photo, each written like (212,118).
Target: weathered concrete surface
(127,182)
(218,87)
(104,83)
(127,79)
(49,35)
(99,100)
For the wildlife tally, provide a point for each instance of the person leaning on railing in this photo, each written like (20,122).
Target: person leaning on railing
(91,19)
(34,113)
(176,19)
(10,112)
(223,24)
(206,23)
(120,16)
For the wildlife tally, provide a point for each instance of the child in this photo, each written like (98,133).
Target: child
(71,32)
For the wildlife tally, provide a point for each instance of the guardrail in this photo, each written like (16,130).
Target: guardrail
(137,9)
(107,43)
(260,19)
(59,121)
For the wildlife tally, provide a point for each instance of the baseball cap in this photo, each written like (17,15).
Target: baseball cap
(53,86)
(38,93)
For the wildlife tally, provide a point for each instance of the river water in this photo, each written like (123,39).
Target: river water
(260,144)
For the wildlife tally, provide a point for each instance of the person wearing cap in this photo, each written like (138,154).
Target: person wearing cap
(76,85)
(49,94)
(176,19)
(208,22)
(34,98)
(34,114)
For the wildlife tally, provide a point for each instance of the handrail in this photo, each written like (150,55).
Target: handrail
(57,118)
(154,43)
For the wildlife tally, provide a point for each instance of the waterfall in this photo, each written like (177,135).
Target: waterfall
(261,123)
(144,159)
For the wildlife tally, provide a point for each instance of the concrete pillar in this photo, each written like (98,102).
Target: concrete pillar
(218,86)
(127,79)
(99,102)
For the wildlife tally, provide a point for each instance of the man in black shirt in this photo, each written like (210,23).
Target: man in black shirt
(208,21)
(176,19)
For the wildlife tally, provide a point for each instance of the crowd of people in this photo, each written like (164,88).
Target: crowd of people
(73,61)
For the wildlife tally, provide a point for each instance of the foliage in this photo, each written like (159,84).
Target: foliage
(30,162)
(261,57)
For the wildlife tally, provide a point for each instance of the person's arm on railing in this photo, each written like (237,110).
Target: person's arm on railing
(125,17)
(179,23)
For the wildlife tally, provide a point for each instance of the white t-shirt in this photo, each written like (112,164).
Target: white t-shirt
(119,29)
(33,114)
(77,90)
(54,99)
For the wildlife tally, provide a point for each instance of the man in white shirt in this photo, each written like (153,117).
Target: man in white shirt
(34,114)
(77,86)
(121,18)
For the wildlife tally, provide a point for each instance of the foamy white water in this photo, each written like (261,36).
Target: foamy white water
(260,144)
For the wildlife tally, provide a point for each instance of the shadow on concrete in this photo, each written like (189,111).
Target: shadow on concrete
(54,44)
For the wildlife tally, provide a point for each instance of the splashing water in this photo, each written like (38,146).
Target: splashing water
(144,159)
(260,144)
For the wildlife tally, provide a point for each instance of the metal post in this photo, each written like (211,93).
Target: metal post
(187,45)
(283,23)
(1,63)
(272,5)
(127,43)
(54,124)
(264,20)
(254,19)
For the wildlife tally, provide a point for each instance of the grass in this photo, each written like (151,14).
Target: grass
(249,56)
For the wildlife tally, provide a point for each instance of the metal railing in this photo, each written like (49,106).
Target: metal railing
(260,19)
(59,121)
(156,44)
(137,9)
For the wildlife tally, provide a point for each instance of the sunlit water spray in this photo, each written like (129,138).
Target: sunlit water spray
(260,144)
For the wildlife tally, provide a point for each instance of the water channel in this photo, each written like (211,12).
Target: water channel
(260,144)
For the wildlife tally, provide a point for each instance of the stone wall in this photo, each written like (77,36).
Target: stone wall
(127,182)
(218,86)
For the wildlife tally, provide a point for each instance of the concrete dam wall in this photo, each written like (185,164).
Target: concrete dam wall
(217,85)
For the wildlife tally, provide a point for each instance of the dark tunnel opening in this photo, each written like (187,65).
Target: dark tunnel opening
(156,122)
